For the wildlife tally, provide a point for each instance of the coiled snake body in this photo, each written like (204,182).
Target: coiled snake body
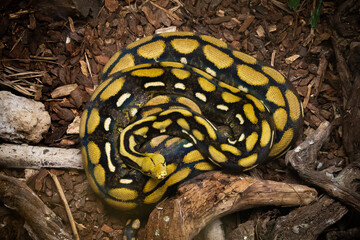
(176,104)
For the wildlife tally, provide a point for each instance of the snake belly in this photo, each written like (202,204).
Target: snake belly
(176,104)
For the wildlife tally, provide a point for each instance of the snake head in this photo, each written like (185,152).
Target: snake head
(154,166)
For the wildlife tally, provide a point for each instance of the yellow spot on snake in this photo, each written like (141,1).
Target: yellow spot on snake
(204,166)
(151,111)
(124,62)
(111,61)
(129,69)
(198,135)
(281,145)
(172,64)
(112,89)
(156,195)
(191,104)
(148,72)
(156,141)
(162,99)
(151,184)
(266,134)
(201,72)
(139,42)
(251,76)
(99,174)
(216,155)
(84,158)
(184,112)
(93,121)
(251,141)
(250,113)
(100,88)
(257,102)
(83,123)
(152,50)
(193,156)
(123,194)
(183,123)
(218,58)
(206,85)
(123,206)
(141,131)
(214,41)
(230,98)
(180,34)
(277,76)
(294,105)
(184,46)
(248,161)
(92,183)
(229,87)
(229,148)
(171,141)
(178,176)
(162,125)
(180,73)
(280,118)
(244,57)
(94,152)
(209,128)
(274,95)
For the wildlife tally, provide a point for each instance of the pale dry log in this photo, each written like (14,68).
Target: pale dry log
(25,156)
(305,223)
(216,194)
(41,222)
(343,186)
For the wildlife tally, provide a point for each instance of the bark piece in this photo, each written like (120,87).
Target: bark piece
(344,187)
(305,223)
(215,194)
(25,156)
(42,223)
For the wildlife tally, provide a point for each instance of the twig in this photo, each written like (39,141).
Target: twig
(27,60)
(88,64)
(41,221)
(171,14)
(66,205)
(35,157)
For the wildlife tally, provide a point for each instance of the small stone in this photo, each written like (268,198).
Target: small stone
(22,120)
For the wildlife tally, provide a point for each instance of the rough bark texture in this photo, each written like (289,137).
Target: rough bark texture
(42,222)
(215,194)
(344,186)
(25,156)
(305,223)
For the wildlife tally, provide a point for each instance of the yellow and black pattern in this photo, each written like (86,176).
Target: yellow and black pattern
(175,104)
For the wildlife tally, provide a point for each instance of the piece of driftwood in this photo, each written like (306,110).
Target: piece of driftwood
(349,74)
(305,223)
(41,222)
(215,194)
(26,156)
(343,186)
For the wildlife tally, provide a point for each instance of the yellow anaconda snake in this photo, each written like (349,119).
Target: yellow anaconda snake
(176,104)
